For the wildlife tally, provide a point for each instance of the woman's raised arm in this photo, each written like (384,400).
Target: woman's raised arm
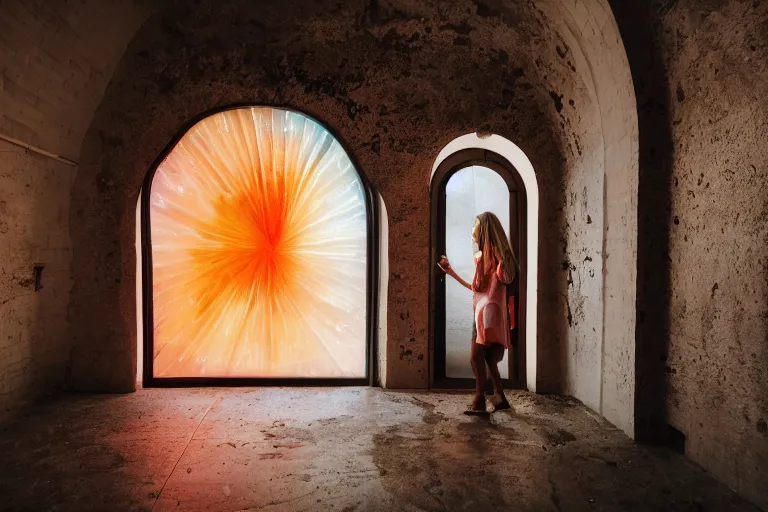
(445,266)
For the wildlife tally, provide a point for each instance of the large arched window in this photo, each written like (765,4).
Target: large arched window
(258,254)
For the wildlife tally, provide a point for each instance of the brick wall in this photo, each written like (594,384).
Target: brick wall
(56,58)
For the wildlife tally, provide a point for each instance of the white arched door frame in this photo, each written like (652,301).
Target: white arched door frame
(517,158)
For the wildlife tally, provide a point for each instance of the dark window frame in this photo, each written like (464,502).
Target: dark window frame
(518,216)
(372,277)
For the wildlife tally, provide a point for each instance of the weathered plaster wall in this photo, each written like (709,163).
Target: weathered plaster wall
(55,60)
(396,81)
(577,266)
(601,212)
(703,320)
(34,228)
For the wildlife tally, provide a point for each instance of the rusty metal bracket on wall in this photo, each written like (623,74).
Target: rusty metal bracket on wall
(29,147)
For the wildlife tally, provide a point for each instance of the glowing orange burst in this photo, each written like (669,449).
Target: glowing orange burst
(258,230)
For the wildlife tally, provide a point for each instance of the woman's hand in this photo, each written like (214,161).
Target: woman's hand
(445,266)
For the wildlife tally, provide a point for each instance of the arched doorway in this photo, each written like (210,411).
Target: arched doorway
(259,255)
(472,175)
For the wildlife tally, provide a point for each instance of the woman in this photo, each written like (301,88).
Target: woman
(495,267)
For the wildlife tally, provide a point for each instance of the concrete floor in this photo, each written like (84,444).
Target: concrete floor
(349,449)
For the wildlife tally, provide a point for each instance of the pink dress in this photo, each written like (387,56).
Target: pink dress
(490,305)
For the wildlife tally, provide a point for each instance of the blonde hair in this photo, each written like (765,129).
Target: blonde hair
(495,249)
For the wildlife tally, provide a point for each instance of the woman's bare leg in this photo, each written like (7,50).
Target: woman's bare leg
(478,359)
(494,353)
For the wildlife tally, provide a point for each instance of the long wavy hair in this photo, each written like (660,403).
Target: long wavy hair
(494,245)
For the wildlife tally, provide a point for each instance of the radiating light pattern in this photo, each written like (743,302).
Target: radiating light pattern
(258,235)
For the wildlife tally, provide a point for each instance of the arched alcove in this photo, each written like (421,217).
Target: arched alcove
(511,163)
(259,255)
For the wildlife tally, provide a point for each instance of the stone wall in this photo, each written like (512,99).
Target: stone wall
(55,61)
(34,226)
(601,215)
(700,70)
(394,112)
(395,81)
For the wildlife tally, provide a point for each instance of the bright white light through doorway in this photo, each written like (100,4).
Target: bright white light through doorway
(470,192)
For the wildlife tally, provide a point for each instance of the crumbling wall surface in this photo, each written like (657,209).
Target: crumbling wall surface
(578,263)
(34,232)
(56,58)
(601,216)
(396,81)
(703,272)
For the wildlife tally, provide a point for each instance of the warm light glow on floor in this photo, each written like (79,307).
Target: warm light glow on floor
(258,231)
